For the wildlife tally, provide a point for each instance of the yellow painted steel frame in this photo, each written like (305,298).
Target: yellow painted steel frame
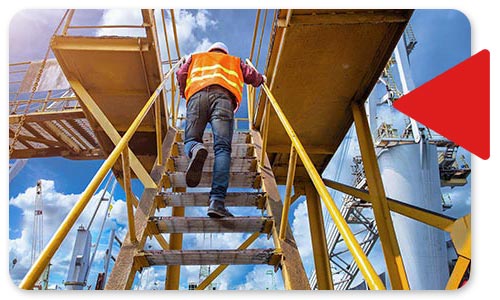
(389,242)
(318,239)
(203,285)
(364,264)
(129,195)
(257,18)
(459,229)
(172,278)
(43,260)
(288,191)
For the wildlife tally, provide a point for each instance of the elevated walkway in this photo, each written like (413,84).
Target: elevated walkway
(322,65)
(116,75)
(319,63)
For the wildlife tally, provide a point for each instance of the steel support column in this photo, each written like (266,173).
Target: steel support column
(390,247)
(318,239)
(174,271)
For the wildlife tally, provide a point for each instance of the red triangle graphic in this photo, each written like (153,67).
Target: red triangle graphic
(456,104)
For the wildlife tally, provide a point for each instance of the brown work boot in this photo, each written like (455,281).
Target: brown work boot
(195,167)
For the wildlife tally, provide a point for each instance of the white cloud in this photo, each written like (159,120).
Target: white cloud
(56,206)
(302,233)
(121,17)
(203,45)
(189,26)
(262,277)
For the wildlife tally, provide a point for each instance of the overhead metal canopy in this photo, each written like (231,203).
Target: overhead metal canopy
(323,62)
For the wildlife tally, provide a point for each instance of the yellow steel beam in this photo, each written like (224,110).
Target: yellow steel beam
(158,132)
(172,81)
(460,234)
(26,138)
(422,215)
(174,29)
(68,21)
(60,151)
(110,130)
(70,114)
(261,38)
(458,273)
(203,285)
(58,237)
(265,130)
(257,19)
(318,239)
(173,271)
(72,134)
(288,191)
(129,196)
(124,44)
(60,135)
(364,264)
(390,247)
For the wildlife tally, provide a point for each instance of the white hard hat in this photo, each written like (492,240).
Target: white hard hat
(218,46)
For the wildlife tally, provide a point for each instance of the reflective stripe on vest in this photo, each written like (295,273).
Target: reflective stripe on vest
(211,68)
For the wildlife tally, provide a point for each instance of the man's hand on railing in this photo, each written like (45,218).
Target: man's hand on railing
(264,79)
(184,59)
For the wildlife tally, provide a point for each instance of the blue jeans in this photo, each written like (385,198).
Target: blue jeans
(212,105)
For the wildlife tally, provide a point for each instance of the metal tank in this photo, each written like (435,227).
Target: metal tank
(411,174)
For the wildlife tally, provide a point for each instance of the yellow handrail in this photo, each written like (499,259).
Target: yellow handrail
(43,260)
(359,256)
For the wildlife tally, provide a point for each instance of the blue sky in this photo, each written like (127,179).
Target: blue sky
(443,41)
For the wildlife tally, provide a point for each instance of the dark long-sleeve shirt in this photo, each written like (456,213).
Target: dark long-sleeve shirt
(250,75)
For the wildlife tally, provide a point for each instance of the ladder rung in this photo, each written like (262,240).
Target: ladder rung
(239,137)
(237,150)
(236,179)
(210,225)
(237,164)
(207,257)
(201,199)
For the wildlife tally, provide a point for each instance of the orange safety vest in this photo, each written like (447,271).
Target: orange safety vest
(211,68)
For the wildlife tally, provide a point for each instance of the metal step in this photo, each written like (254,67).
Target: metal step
(207,257)
(209,225)
(237,179)
(237,150)
(171,199)
(239,137)
(237,164)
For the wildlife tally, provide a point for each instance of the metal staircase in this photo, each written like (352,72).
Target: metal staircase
(122,90)
(245,174)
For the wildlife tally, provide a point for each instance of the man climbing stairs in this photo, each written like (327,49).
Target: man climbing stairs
(246,177)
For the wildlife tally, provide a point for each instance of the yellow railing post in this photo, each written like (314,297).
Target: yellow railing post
(159,161)
(257,18)
(265,130)
(174,30)
(68,21)
(288,191)
(43,260)
(250,106)
(352,244)
(172,82)
(318,239)
(129,196)
(387,234)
